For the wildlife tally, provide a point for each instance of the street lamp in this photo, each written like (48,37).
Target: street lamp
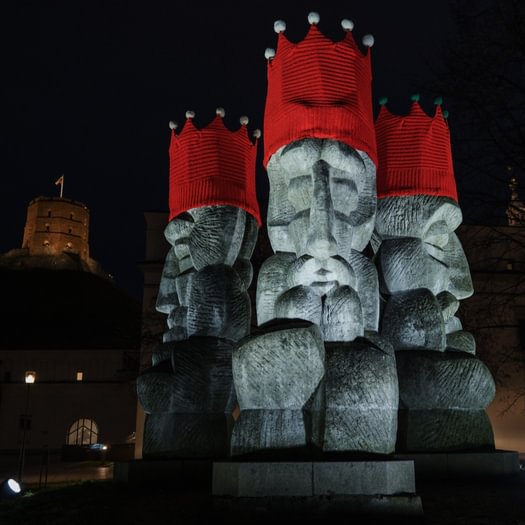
(29,379)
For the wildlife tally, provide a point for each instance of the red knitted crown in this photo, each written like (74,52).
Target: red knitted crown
(212,166)
(414,154)
(318,88)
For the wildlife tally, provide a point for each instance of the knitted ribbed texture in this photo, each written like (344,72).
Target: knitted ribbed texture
(212,166)
(319,89)
(414,154)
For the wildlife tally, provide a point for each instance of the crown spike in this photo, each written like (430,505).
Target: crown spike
(244,120)
(368,40)
(220,112)
(438,101)
(190,114)
(279,26)
(347,24)
(415,97)
(445,113)
(173,124)
(269,53)
(383,101)
(313,18)
(257,133)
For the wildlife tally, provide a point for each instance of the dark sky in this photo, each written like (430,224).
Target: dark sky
(91,87)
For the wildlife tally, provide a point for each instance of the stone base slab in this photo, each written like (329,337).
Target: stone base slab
(312,479)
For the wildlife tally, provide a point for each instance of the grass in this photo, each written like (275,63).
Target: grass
(101,502)
(498,502)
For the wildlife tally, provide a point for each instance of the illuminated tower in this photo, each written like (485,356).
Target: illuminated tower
(55,225)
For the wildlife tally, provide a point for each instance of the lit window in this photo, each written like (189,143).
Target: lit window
(82,432)
(45,243)
(30,376)
(80,376)
(69,245)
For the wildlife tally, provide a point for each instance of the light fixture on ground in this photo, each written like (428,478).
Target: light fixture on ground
(10,488)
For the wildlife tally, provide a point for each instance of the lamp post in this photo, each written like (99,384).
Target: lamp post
(29,378)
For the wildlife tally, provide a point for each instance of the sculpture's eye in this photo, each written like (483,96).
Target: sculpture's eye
(179,228)
(344,194)
(437,235)
(300,192)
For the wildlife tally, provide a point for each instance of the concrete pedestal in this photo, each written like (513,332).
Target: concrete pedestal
(358,487)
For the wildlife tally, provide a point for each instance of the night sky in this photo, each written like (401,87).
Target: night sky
(91,87)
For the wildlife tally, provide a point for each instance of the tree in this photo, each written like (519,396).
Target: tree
(482,81)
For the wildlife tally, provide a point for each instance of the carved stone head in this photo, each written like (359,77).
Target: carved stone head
(210,254)
(417,247)
(322,199)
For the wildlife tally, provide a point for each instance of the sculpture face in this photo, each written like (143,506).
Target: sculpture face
(423,272)
(322,204)
(320,216)
(209,263)
(208,235)
(419,248)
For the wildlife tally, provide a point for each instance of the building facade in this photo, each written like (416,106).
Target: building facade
(70,341)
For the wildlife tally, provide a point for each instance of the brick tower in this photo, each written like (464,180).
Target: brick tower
(55,225)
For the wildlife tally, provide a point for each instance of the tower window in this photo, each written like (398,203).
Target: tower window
(69,230)
(71,215)
(49,213)
(80,376)
(45,243)
(47,226)
(69,245)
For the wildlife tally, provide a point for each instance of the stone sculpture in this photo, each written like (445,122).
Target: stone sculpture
(358,349)
(423,275)
(188,394)
(319,377)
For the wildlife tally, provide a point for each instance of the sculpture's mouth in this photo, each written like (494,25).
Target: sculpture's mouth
(321,274)
(323,287)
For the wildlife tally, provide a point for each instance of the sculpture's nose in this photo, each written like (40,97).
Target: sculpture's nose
(320,243)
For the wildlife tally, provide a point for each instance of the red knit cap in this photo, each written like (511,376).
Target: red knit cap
(318,88)
(414,154)
(212,166)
